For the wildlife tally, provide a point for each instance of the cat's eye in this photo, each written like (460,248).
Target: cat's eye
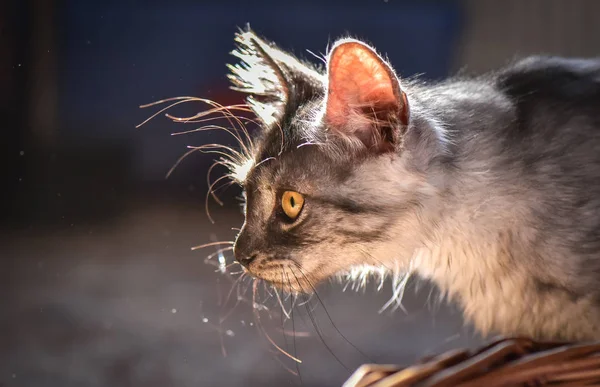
(291,203)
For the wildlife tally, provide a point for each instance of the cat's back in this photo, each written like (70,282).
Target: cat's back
(555,117)
(538,114)
(553,137)
(553,143)
(553,89)
(552,77)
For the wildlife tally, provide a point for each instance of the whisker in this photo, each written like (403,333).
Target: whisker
(220,330)
(182,100)
(265,160)
(314,323)
(208,119)
(280,302)
(219,251)
(293,299)
(234,263)
(209,194)
(220,265)
(246,144)
(206,128)
(187,98)
(179,160)
(228,160)
(222,186)
(291,371)
(233,154)
(212,244)
(306,144)
(294,333)
(212,127)
(282,317)
(257,317)
(211,191)
(245,290)
(228,115)
(327,313)
(235,285)
(267,289)
(306,300)
(217,108)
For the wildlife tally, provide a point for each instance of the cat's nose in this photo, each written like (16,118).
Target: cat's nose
(243,251)
(242,256)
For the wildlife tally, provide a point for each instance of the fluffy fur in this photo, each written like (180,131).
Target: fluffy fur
(488,186)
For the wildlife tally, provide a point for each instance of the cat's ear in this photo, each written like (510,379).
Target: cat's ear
(364,98)
(275,80)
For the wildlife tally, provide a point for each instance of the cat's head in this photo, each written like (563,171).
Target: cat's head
(331,183)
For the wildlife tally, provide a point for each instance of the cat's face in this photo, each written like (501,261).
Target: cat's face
(321,189)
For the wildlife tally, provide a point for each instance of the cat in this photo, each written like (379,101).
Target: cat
(489,186)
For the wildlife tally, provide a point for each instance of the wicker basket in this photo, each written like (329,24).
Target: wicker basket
(503,362)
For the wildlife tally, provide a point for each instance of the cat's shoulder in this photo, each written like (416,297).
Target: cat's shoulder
(552,77)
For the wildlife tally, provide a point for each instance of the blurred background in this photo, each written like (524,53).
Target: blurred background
(99,285)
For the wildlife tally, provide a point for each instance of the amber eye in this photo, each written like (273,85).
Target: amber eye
(292,203)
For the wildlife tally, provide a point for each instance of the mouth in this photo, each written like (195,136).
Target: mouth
(288,279)
(288,287)
(284,278)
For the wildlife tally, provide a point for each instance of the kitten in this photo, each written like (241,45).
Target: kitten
(488,186)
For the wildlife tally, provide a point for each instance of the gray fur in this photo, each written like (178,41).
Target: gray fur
(493,193)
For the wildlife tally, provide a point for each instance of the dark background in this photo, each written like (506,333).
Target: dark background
(99,285)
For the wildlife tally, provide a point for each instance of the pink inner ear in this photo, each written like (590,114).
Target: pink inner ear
(359,80)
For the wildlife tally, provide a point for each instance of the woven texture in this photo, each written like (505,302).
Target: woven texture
(503,362)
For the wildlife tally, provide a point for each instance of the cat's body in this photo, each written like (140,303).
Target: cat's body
(490,186)
(518,238)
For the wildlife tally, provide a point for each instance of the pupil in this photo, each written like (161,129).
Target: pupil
(292,202)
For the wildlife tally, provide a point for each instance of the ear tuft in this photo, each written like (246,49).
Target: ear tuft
(271,76)
(364,97)
(258,74)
